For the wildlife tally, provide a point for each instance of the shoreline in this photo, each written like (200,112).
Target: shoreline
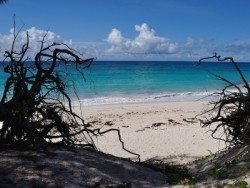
(123,99)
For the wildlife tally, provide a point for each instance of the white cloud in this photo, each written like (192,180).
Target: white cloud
(190,42)
(147,42)
(115,37)
(35,38)
(146,45)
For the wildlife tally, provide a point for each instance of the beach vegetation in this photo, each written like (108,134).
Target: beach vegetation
(175,174)
(124,185)
(237,183)
(240,183)
(242,168)
(219,173)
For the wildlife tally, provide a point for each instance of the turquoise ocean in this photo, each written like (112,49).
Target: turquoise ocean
(111,82)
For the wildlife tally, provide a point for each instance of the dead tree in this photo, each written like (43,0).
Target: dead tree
(3,1)
(231,113)
(35,108)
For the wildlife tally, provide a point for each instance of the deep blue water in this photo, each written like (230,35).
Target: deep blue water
(112,79)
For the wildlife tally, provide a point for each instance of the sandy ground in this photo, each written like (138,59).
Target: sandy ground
(162,131)
(73,168)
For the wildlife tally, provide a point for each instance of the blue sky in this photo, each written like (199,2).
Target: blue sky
(137,29)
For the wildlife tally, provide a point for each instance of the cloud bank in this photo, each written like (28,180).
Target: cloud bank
(147,45)
(147,42)
(35,38)
(190,42)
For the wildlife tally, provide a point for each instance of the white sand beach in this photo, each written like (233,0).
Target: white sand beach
(164,131)
(156,131)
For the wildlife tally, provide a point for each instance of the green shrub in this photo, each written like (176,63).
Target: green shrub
(241,184)
(242,168)
(218,173)
(174,174)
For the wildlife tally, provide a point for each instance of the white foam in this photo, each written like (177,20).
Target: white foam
(162,97)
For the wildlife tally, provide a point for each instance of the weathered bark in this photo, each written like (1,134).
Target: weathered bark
(29,110)
(3,1)
(231,113)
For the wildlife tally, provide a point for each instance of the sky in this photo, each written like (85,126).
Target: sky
(134,29)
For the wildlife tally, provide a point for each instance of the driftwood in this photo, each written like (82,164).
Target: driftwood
(231,113)
(3,1)
(36,108)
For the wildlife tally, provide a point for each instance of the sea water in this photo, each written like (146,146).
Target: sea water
(109,82)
